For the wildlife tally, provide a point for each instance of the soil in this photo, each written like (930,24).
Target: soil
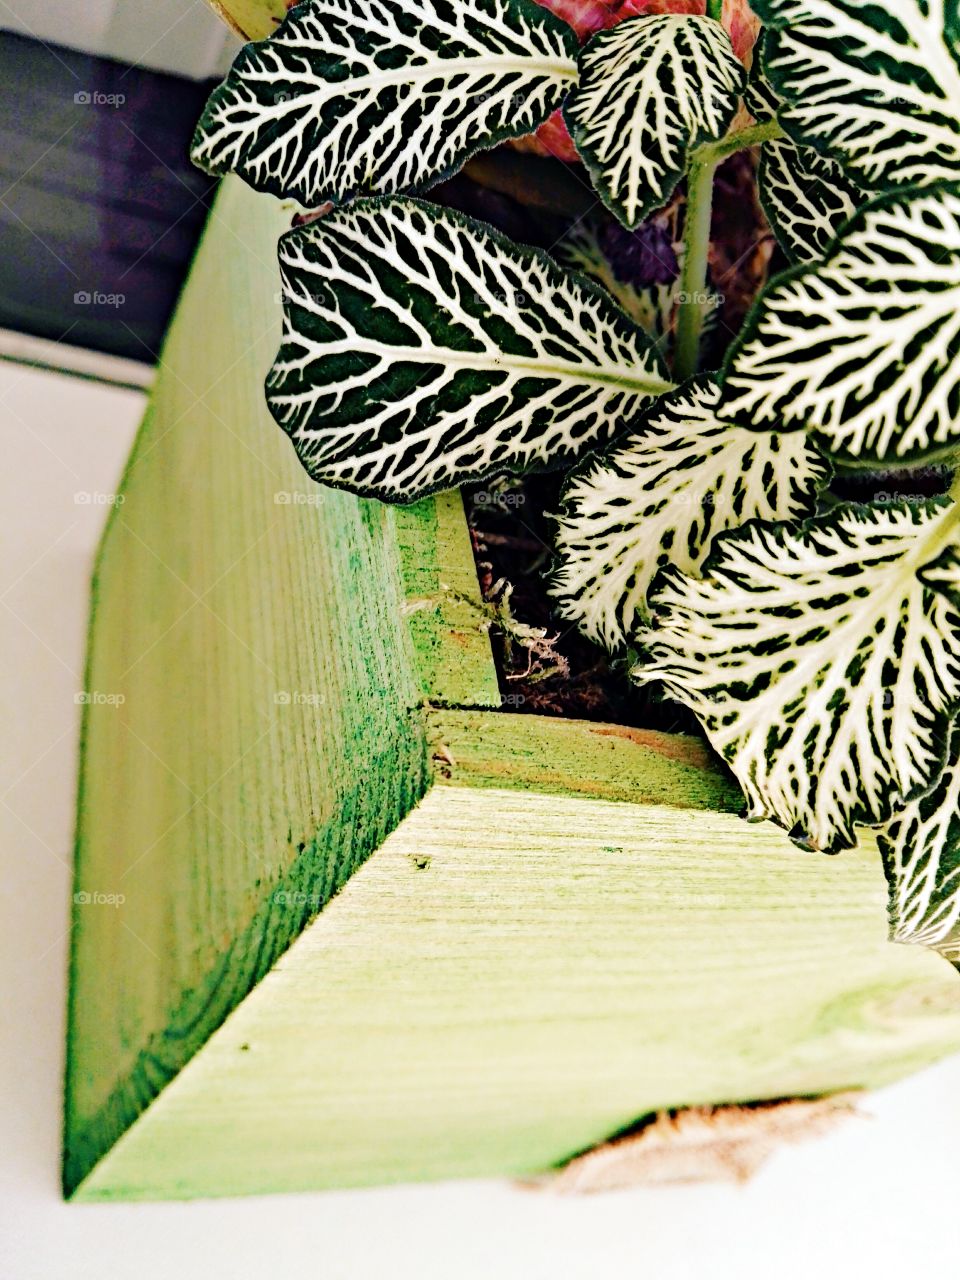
(559,672)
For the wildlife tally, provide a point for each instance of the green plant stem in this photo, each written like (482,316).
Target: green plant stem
(769,131)
(696,239)
(693,275)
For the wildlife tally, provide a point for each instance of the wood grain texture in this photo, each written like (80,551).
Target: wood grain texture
(255,727)
(578,758)
(443,608)
(512,977)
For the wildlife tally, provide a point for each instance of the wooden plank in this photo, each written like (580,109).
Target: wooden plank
(255,726)
(444,608)
(578,758)
(512,977)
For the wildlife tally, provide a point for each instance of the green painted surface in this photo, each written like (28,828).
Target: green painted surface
(443,608)
(577,758)
(512,977)
(271,732)
(253,19)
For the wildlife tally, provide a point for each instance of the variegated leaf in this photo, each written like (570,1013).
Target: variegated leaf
(863,349)
(921,857)
(660,494)
(822,666)
(759,96)
(382,96)
(806,196)
(652,306)
(422,349)
(651,89)
(876,84)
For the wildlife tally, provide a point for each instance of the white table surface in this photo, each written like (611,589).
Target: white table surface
(877,1198)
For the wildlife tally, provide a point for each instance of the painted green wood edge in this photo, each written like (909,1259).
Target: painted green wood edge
(444,609)
(207,427)
(577,758)
(514,976)
(421,679)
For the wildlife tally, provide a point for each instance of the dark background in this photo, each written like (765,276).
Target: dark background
(100,207)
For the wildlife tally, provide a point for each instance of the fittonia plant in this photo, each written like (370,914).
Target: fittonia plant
(817,641)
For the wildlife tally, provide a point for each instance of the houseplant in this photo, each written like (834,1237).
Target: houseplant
(549,946)
(421,351)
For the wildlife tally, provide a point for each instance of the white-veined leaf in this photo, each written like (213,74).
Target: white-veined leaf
(921,857)
(422,349)
(759,96)
(356,96)
(806,196)
(877,84)
(823,668)
(650,306)
(863,349)
(660,494)
(653,307)
(650,90)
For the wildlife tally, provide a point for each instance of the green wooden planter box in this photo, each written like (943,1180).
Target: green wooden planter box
(340,918)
